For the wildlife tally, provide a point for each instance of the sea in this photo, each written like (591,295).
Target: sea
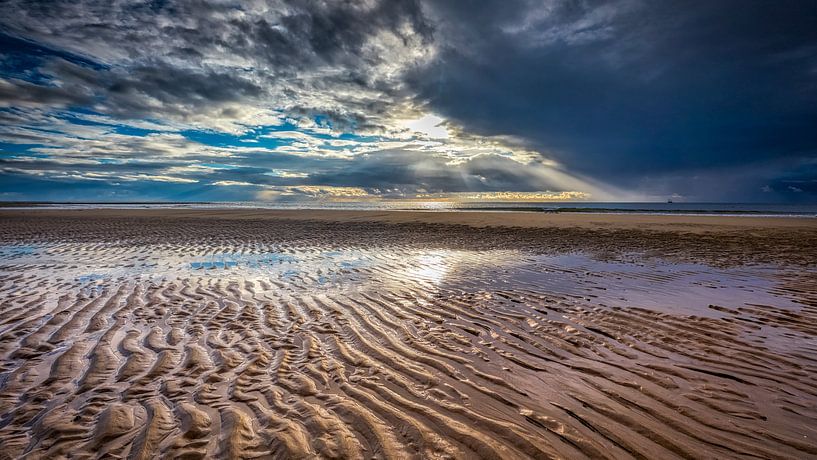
(683,208)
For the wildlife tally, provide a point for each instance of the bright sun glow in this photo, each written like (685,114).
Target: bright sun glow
(430,268)
(431,125)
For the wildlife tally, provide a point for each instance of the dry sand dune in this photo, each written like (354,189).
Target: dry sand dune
(142,334)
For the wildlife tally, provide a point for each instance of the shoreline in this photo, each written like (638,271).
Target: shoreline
(716,240)
(476,218)
(692,209)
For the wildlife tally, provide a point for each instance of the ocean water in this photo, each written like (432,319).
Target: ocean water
(736,209)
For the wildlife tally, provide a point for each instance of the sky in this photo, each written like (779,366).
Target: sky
(504,100)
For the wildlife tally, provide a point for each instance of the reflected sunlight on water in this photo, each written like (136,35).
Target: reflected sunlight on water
(652,284)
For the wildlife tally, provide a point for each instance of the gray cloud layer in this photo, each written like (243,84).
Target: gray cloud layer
(650,97)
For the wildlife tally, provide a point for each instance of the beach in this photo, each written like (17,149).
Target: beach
(258,333)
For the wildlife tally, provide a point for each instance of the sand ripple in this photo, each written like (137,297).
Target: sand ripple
(116,350)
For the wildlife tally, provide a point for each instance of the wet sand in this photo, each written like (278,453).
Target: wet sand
(353,334)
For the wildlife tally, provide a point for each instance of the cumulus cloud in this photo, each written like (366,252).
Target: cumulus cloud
(219,65)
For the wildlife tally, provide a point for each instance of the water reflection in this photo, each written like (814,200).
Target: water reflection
(12,251)
(431,267)
(252,261)
(653,284)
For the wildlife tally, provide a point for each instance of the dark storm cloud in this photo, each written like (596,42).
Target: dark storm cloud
(625,89)
(174,88)
(287,33)
(143,91)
